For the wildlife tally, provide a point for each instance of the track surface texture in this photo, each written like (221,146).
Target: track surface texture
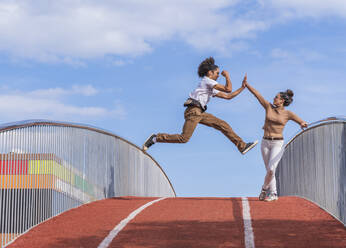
(189,222)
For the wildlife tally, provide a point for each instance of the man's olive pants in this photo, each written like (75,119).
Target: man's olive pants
(193,116)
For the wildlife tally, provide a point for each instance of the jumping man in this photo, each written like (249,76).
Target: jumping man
(196,106)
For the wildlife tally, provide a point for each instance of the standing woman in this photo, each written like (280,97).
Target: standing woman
(196,105)
(272,143)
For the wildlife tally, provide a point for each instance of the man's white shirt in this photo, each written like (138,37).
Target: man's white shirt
(204,91)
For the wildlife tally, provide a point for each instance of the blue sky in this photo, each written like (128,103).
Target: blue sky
(128,66)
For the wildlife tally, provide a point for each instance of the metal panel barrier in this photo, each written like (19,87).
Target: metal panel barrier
(49,167)
(313,166)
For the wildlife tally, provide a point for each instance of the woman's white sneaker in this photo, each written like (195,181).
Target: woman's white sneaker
(262,195)
(271,197)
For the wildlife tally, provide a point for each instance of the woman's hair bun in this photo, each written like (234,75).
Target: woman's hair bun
(287,96)
(289,93)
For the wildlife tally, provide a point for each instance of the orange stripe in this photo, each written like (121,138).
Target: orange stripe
(27,181)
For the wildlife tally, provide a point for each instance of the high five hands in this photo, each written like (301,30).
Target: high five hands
(244,84)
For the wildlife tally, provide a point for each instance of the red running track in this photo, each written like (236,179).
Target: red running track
(190,222)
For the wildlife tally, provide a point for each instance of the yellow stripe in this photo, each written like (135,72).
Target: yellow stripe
(50,167)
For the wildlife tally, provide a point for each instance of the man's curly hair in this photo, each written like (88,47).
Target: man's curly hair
(207,65)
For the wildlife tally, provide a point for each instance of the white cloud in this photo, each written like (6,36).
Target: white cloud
(307,8)
(70,31)
(297,56)
(119,62)
(73,31)
(85,90)
(280,53)
(51,104)
(326,89)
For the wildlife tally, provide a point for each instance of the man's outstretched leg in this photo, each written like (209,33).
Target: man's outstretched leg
(192,117)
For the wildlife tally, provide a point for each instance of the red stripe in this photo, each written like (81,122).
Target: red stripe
(14,167)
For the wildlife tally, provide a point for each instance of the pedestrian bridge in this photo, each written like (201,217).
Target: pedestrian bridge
(80,182)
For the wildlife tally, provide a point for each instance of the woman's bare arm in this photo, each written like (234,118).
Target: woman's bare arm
(297,119)
(259,97)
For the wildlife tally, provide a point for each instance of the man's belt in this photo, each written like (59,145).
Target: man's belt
(190,102)
(273,138)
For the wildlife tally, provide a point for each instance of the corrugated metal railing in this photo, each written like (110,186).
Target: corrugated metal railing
(313,166)
(49,167)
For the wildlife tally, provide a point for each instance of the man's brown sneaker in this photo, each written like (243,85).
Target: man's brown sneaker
(249,146)
(149,142)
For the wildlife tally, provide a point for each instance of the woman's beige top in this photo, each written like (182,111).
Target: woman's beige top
(276,119)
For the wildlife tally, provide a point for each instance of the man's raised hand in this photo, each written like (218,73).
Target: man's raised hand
(225,73)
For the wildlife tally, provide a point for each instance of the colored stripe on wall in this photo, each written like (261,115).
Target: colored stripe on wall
(27,181)
(13,167)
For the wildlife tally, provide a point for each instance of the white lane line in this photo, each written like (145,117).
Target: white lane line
(106,242)
(248,231)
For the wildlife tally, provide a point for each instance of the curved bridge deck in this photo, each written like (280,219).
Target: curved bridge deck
(190,222)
